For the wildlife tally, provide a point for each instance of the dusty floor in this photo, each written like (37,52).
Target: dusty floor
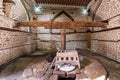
(34,67)
(112,67)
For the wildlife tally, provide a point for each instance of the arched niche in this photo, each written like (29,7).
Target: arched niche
(6,6)
(1,7)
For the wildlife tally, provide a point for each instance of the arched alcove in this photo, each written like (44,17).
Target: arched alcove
(7,5)
(1,7)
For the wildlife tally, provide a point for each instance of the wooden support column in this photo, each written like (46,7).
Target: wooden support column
(89,40)
(63,39)
(89,33)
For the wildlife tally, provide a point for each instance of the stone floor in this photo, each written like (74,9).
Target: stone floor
(36,67)
(112,67)
(31,67)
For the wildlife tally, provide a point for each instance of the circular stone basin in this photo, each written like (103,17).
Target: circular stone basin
(66,67)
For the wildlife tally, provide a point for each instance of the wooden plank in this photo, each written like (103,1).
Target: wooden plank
(60,25)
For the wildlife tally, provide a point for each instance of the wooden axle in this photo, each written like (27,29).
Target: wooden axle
(62,26)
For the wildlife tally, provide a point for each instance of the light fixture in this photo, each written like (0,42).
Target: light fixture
(38,10)
(84,11)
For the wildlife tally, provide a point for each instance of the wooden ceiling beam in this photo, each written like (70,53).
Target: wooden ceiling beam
(60,25)
(65,2)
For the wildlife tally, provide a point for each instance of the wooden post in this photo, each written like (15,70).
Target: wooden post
(89,40)
(89,34)
(63,39)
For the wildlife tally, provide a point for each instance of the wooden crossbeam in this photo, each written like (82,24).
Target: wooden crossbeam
(60,25)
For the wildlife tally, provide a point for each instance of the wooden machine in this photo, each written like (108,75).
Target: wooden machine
(66,63)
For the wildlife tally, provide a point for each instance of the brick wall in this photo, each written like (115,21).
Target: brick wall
(106,10)
(15,42)
(74,40)
(106,42)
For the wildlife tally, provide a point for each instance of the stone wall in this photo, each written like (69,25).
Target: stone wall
(15,42)
(106,42)
(51,39)
(105,9)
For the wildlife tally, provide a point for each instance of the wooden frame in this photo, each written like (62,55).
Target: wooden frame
(60,25)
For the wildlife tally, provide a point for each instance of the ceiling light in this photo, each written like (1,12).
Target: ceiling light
(84,11)
(38,9)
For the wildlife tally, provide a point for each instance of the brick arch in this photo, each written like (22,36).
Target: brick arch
(9,1)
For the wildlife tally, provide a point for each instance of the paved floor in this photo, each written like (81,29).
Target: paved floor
(33,67)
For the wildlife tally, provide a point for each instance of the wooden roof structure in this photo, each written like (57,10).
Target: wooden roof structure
(64,2)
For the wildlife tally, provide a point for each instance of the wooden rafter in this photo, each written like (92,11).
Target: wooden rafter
(60,25)
(64,2)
